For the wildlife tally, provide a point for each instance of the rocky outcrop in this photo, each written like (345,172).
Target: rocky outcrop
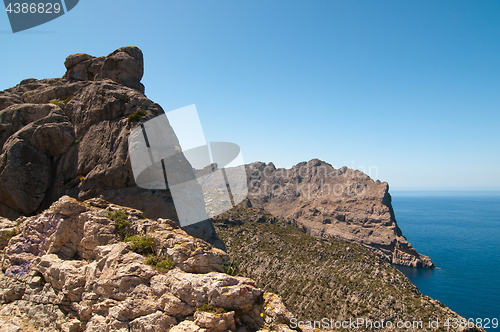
(69,136)
(124,66)
(342,203)
(69,269)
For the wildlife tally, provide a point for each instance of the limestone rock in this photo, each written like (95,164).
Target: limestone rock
(69,269)
(343,203)
(215,322)
(7,230)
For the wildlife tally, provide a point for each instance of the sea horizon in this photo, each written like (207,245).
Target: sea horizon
(444,193)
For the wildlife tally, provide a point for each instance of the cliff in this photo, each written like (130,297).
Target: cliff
(331,202)
(69,136)
(325,277)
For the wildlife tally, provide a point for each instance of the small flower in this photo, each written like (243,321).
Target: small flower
(261,314)
(81,178)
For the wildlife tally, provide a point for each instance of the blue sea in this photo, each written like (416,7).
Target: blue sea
(460,232)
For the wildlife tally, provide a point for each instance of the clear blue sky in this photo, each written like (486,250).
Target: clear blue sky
(409,87)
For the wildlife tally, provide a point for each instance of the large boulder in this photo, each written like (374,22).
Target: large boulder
(124,66)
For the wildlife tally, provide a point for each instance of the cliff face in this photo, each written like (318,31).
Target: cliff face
(69,136)
(342,203)
(95,266)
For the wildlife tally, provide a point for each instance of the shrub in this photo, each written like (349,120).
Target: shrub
(165,265)
(121,222)
(67,99)
(141,245)
(230,268)
(162,265)
(11,233)
(212,309)
(55,102)
(136,116)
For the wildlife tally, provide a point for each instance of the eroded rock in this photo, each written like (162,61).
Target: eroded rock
(69,269)
(343,203)
(69,136)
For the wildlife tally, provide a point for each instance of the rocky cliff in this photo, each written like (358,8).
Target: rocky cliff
(326,277)
(96,266)
(342,203)
(69,136)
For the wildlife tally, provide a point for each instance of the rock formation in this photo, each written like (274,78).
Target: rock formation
(69,269)
(343,203)
(69,136)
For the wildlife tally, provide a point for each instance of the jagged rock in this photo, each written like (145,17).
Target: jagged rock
(187,326)
(7,230)
(157,322)
(343,203)
(69,136)
(215,322)
(124,66)
(70,270)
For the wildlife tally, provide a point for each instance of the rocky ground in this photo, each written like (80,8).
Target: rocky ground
(95,266)
(343,203)
(322,277)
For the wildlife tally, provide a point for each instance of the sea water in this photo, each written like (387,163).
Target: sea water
(460,232)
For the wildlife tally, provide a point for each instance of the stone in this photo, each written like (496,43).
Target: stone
(215,322)
(187,326)
(156,322)
(7,230)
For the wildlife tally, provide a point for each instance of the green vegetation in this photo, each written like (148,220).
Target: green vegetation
(212,309)
(67,99)
(162,265)
(230,267)
(121,222)
(11,233)
(318,277)
(55,102)
(78,140)
(136,116)
(141,244)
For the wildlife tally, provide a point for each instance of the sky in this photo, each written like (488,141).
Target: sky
(408,91)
